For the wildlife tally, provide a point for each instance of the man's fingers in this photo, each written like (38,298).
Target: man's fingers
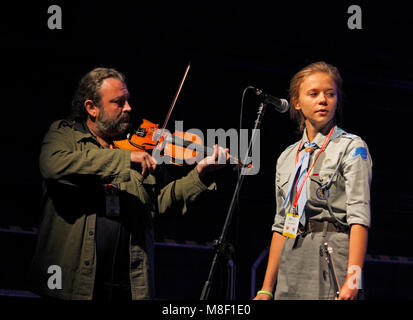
(145,160)
(212,158)
(154,163)
(227,154)
(150,164)
(222,156)
(217,160)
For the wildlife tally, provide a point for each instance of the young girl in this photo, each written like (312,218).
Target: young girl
(322,196)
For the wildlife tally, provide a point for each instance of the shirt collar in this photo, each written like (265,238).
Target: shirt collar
(81,126)
(83,131)
(321,136)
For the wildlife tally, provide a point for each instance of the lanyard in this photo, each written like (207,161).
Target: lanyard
(297,195)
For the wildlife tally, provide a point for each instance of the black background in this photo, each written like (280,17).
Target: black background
(231,45)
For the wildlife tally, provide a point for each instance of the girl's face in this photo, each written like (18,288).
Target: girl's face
(317,99)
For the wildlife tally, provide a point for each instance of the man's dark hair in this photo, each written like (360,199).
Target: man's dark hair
(88,88)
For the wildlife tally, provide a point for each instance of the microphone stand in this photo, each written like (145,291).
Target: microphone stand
(221,247)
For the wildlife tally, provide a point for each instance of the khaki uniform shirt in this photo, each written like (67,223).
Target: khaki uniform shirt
(75,168)
(345,163)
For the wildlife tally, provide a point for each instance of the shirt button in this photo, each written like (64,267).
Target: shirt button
(87,262)
(90,233)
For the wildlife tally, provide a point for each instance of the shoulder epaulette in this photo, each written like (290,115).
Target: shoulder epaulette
(63,123)
(350,136)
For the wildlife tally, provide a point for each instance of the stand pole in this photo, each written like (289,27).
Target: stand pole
(220,245)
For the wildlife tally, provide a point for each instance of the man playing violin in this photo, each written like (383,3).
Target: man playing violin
(98,201)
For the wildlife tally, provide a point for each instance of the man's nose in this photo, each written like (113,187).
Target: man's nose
(127,107)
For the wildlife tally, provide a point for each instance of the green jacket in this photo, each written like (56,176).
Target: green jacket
(74,168)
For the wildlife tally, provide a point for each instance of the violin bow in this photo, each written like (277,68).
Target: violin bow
(175,99)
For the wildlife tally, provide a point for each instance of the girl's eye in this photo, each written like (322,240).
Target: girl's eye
(313,94)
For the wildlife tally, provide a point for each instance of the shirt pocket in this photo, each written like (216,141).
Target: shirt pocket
(319,181)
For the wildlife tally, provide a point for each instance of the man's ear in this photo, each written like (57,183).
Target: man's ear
(91,108)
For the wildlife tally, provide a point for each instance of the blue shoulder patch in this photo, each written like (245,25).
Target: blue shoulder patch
(360,151)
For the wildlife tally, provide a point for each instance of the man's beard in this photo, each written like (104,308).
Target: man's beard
(112,127)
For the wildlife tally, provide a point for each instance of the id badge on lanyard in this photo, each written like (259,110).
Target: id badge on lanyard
(291,223)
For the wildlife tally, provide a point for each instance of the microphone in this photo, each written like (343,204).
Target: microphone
(281,105)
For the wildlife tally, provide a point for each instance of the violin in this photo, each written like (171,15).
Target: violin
(179,148)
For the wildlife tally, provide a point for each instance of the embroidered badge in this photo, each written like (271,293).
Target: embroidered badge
(360,151)
(322,194)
